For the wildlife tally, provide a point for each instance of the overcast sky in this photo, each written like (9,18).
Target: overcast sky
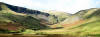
(69,6)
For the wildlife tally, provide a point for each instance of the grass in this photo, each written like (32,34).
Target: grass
(91,26)
(19,19)
(29,31)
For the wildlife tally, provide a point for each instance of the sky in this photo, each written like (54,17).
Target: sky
(69,6)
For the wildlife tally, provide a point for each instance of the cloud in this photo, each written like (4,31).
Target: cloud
(69,6)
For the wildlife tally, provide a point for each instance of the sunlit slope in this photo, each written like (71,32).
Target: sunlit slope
(61,16)
(57,13)
(81,17)
(85,22)
(91,24)
(46,17)
(13,21)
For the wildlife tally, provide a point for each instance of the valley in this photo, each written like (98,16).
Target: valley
(20,20)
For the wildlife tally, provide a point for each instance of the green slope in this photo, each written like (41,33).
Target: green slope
(10,19)
(46,17)
(61,16)
(91,26)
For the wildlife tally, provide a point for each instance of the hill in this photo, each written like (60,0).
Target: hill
(12,21)
(83,23)
(44,17)
(91,24)
(21,18)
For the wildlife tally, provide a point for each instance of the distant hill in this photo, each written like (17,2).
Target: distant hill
(61,16)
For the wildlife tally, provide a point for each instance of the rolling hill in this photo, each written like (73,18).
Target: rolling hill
(44,17)
(17,19)
(83,23)
(91,24)
(12,21)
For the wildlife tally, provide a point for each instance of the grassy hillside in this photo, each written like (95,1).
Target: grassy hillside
(44,17)
(61,16)
(10,21)
(86,25)
(91,26)
(19,19)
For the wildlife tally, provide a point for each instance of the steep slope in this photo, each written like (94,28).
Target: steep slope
(44,17)
(11,21)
